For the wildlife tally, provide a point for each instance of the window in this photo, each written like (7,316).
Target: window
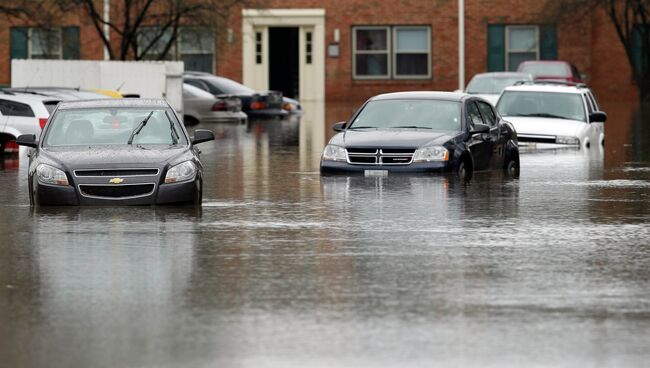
(487,113)
(474,114)
(308,47)
(197,49)
(258,47)
(522,44)
(371,48)
(509,45)
(44,43)
(12,108)
(412,49)
(399,52)
(193,45)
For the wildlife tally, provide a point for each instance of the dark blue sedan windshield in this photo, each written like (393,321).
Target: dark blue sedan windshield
(429,114)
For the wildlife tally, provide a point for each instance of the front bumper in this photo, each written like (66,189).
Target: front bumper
(416,167)
(56,195)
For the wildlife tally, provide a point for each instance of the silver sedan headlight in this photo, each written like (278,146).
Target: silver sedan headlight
(181,172)
(334,153)
(51,175)
(431,153)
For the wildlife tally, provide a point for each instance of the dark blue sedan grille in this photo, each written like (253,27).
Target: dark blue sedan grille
(380,156)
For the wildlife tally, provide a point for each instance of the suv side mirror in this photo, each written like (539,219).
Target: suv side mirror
(339,127)
(201,136)
(597,117)
(28,140)
(479,128)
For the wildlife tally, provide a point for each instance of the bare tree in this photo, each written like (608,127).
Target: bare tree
(631,21)
(140,29)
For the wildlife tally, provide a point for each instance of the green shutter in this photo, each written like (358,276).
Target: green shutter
(70,40)
(19,42)
(639,54)
(547,42)
(496,47)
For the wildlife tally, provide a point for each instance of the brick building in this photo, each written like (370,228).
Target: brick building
(348,50)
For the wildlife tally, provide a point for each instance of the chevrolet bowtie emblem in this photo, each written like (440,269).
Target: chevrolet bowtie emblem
(116,181)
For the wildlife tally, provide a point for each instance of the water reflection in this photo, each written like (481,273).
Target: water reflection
(283,267)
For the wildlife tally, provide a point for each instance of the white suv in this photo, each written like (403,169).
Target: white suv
(22,114)
(553,113)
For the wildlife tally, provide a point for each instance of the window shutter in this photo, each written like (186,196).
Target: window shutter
(70,42)
(547,42)
(19,43)
(638,53)
(496,47)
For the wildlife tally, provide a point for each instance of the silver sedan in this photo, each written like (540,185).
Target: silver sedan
(203,107)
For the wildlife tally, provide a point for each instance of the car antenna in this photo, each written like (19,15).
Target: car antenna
(120,87)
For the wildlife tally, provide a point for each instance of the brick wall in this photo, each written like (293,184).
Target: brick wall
(589,42)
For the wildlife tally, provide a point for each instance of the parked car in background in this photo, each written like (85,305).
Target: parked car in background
(551,69)
(59,93)
(490,85)
(291,105)
(254,103)
(118,152)
(552,113)
(200,106)
(22,114)
(423,132)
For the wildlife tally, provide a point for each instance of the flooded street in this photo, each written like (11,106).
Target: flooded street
(281,267)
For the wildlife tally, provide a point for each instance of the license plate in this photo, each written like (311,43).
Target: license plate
(375,172)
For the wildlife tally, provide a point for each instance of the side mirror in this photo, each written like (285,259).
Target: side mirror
(339,127)
(201,136)
(479,129)
(28,140)
(597,117)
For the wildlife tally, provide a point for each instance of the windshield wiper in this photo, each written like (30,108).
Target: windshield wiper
(410,127)
(362,127)
(139,128)
(545,115)
(175,136)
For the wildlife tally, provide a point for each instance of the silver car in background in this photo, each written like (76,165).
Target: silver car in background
(490,85)
(203,107)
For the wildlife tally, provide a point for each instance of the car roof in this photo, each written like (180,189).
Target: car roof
(25,97)
(545,62)
(428,95)
(114,102)
(541,87)
(503,75)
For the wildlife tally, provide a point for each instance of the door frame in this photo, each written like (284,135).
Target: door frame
(311,76)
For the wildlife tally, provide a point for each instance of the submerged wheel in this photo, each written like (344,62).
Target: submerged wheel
(464,170)
(198,195)
(512,166)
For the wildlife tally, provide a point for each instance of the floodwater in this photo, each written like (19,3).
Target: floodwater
(281,267)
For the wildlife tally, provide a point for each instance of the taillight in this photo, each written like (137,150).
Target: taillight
(220,106)
(258,105)
(42,122)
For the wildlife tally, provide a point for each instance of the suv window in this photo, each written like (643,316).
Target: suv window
(590,104)
(13,108)
(488,114)
(474,114)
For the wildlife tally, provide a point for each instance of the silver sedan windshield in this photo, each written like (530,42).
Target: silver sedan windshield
(113,126)
(428,114)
